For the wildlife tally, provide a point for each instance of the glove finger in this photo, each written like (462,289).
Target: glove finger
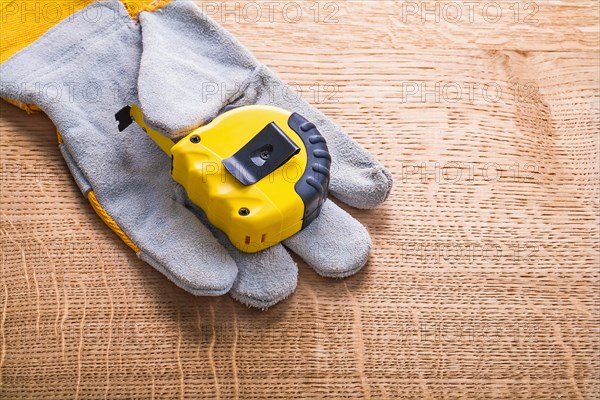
(264,278)
(335,244)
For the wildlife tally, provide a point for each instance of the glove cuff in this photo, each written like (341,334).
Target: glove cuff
(30,76)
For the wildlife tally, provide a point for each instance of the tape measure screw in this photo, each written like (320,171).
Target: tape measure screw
(195,139)
(244,211)
(265,154)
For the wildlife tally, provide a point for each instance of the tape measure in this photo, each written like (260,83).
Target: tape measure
(260,173)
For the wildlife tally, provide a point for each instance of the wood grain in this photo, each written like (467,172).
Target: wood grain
(484,277)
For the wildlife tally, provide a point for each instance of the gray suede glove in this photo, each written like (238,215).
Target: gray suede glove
(126,176)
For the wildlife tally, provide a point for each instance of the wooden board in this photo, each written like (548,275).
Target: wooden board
(484,277)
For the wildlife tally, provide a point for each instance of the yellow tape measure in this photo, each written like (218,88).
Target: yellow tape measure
(260,173)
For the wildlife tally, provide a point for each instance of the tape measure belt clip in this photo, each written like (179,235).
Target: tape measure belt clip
(263,154)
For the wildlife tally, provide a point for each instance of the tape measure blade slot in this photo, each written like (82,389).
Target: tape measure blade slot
(123,117)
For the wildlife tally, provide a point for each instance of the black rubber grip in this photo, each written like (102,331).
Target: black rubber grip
(313,185)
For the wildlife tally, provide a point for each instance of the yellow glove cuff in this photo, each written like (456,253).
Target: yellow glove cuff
(24,21)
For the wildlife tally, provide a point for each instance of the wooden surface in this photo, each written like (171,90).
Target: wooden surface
(484,276)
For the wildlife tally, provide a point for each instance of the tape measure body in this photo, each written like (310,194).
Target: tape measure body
(260,173)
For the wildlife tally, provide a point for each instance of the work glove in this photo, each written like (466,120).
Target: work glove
(91,64)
